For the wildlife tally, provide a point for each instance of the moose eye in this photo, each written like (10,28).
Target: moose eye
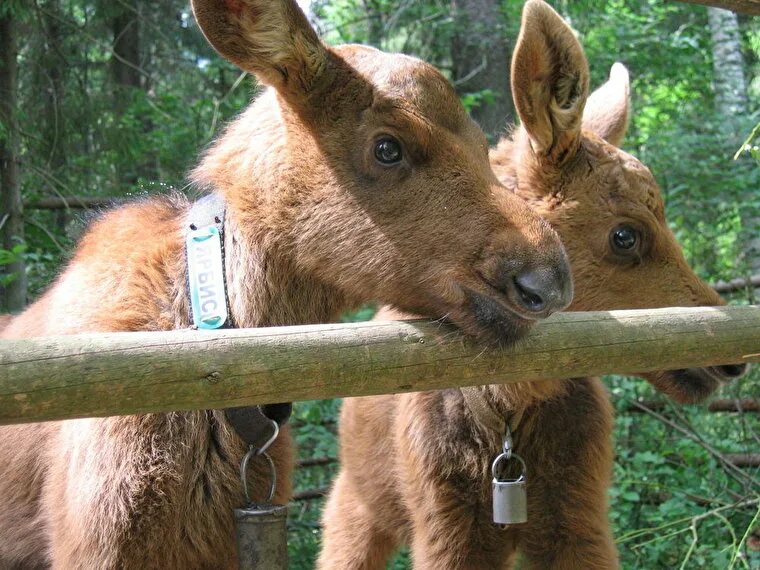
(388,150)
(624,239)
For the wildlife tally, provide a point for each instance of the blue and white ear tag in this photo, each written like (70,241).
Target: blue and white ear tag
(206,277)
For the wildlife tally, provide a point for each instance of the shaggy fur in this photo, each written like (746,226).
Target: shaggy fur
(315,225)
(415,468)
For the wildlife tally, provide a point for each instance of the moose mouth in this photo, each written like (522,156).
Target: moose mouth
(493,322)
(693,385)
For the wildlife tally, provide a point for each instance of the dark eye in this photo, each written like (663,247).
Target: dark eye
(624,239)
(388,150)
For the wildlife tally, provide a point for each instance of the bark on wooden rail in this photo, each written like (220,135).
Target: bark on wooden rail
(124,373)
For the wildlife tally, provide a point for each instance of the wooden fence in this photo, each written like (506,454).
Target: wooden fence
(124,373)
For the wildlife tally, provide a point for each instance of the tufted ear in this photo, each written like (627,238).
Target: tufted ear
(608,107)
(269,38)
(549,81)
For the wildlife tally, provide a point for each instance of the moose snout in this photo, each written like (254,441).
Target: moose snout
(535,292)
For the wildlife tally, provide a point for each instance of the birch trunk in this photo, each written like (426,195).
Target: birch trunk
(731,103)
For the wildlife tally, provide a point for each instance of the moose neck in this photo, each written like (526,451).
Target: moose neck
(253,167)
(510,398)
(265,288)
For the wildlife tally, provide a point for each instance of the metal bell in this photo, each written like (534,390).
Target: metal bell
(262,537)
(262,532)
(510,497)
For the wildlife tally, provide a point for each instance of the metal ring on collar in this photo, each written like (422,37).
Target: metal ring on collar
(244,471)
(505,457)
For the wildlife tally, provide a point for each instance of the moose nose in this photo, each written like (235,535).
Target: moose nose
(732,371)
(543,291)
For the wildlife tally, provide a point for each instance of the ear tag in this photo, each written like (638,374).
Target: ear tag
(206,277)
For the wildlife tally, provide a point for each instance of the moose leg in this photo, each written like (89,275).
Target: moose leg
(350,538)
(151,491)
(452,527)
(567,446)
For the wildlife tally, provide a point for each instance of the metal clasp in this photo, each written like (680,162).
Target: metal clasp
(252,451)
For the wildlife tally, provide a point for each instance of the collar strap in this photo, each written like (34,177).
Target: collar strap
(209,308)
(253,424)
(483,412)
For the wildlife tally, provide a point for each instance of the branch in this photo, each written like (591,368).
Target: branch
(721,405)
(83,202)
(744,459)
(126,373)
(739,284)
(749,7)
(315,461)
(310,494)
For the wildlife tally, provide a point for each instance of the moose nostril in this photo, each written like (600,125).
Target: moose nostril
(529,293)
(542,291)
(733,370)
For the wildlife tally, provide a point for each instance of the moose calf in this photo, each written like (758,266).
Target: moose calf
(416,468)
(356,176)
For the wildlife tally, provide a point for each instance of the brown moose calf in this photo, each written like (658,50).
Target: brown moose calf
(356,176)
(416,468)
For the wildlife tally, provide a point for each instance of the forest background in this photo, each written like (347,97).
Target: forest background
(104,100)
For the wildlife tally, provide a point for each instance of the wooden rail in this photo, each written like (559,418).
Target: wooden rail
(125,373)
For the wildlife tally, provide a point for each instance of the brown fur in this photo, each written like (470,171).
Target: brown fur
(415,468)
(314,226)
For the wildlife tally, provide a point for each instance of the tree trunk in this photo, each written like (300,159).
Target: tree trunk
(728,64)
(480,57)
(11,214)
(125,61)
(52,86)
(125,73)
(731,103)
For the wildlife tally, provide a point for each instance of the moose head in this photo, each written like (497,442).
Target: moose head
(359,176)
(565,161)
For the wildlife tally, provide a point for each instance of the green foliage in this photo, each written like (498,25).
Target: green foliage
(673,503)
(8,257)
(474,100)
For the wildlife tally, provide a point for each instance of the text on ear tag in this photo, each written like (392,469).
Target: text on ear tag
(206,277)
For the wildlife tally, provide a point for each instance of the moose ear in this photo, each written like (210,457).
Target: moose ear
(549,81)
(269,38)
(608,107)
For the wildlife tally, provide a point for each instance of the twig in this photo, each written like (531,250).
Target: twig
(310,494)
(473,73)
(218,103)
(744,539)
(50,235)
